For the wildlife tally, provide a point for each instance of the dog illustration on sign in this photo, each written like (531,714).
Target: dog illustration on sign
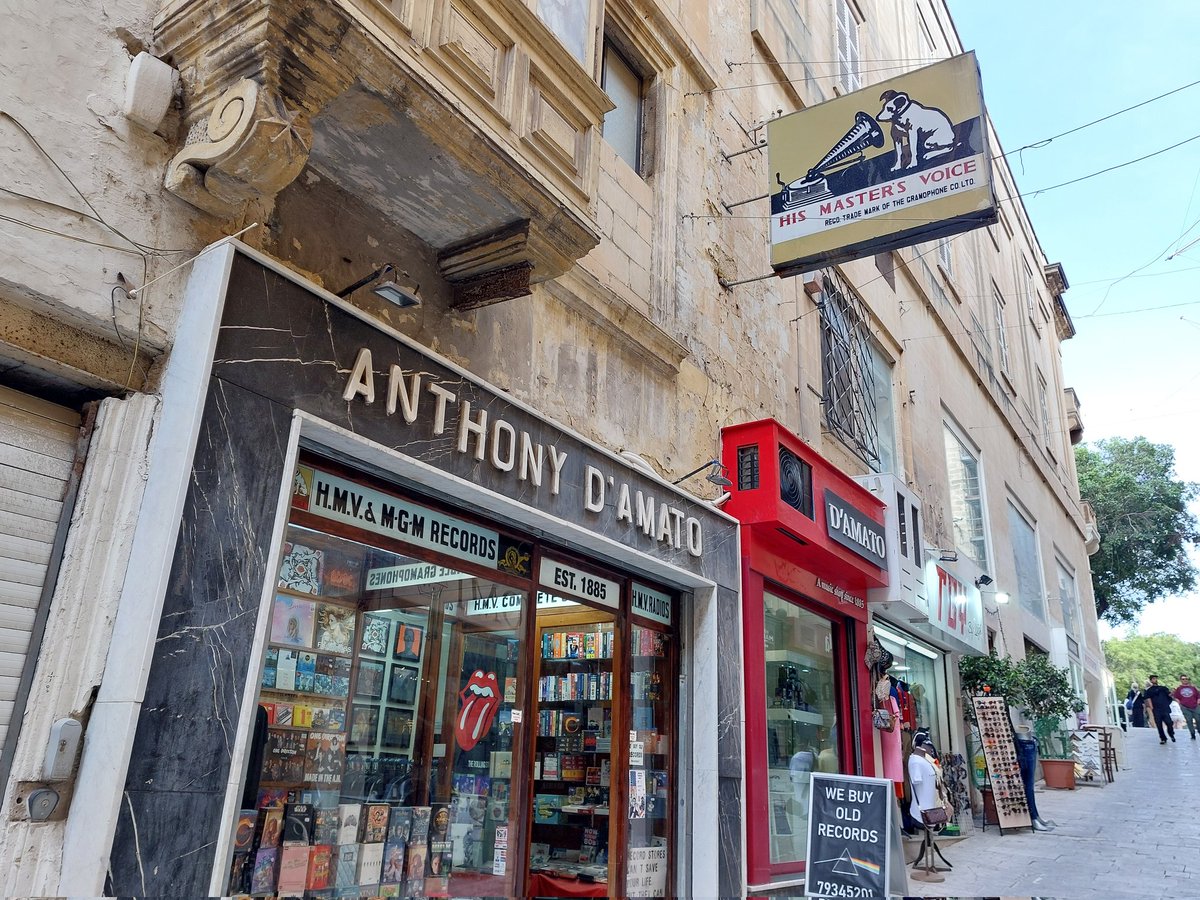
(923,136)
(920,133)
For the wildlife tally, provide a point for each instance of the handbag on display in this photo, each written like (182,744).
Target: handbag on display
(883,720)
(935,815)
(883,689)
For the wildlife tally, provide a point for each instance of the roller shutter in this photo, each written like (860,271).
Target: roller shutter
(37,452)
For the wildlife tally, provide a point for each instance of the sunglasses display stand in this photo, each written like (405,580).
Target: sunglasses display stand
(1003,766)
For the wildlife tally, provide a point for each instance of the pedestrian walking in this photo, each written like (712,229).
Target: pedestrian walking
(1137,706)
(1189,703)
(1160,702)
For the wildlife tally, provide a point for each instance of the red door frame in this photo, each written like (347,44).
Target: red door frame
(855,750)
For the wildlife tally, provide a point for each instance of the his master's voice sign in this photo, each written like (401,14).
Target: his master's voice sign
(849,847)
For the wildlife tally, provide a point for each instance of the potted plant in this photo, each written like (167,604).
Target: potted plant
(995,676)
(991,674)
(1048,698)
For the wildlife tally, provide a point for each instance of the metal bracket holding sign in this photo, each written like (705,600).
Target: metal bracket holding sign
(853,839)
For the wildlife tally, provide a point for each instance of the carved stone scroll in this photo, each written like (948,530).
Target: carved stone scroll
(251,147)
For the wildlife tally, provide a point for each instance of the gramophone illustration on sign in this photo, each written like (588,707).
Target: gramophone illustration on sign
(922,136)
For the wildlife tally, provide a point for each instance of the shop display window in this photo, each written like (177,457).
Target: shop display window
(802,726)
(387,753)
(921,670)
(424,730)
(650,802)
(573,805)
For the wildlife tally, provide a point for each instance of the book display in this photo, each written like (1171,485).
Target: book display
(572,766)
(443,732)
(650,801)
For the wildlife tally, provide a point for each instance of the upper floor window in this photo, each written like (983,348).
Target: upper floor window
(571,22)
(848,391)
(945,258)
(885,411)
(1070,606)
(849,70)
(966,499)
(1031,298)
(1044,406)
(1026,561)
(1001,333)
(626,88)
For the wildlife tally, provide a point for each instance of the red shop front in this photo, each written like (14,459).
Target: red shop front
(812,546)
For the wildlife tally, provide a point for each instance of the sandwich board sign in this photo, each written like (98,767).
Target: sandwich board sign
(853,838)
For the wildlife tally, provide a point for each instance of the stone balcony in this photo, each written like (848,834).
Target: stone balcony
(463,121)
(1074,420)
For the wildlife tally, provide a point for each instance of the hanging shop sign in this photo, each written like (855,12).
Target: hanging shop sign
(849,851)
(570,580)
(901,162)
(350,503)
(854,531)
(651,604)
(956,608)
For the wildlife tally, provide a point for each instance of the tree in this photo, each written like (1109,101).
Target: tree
(1137,657)
(1144,521)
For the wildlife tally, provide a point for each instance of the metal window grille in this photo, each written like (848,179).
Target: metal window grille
(847,47)
(848,376)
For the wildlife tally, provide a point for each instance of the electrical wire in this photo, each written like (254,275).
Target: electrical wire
(70,237)
(1037,145)
(790,81)
(1130,162)
(827,62)
(145,248)
(82,215)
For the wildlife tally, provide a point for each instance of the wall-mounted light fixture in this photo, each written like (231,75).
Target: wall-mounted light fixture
(715,476)
(943,555)
(1001,598)
(390,290)
(983,580)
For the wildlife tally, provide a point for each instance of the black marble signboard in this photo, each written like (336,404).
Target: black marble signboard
(281,348)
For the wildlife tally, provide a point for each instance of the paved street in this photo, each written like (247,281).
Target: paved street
(1135,838)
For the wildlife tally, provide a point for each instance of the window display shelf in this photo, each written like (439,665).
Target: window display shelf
(781,714)
(794,656)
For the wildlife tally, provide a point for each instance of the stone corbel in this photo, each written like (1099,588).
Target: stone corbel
(489,269)
(251,147)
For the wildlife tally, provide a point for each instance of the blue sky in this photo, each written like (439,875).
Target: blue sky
(1048,67)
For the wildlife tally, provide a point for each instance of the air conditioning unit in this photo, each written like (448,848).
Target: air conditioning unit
(905,549)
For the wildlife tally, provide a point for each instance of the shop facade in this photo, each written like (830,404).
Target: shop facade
(928,617)
(813,545)
(413,631)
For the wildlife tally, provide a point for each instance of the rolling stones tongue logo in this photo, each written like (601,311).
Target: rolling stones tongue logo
(480,700)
